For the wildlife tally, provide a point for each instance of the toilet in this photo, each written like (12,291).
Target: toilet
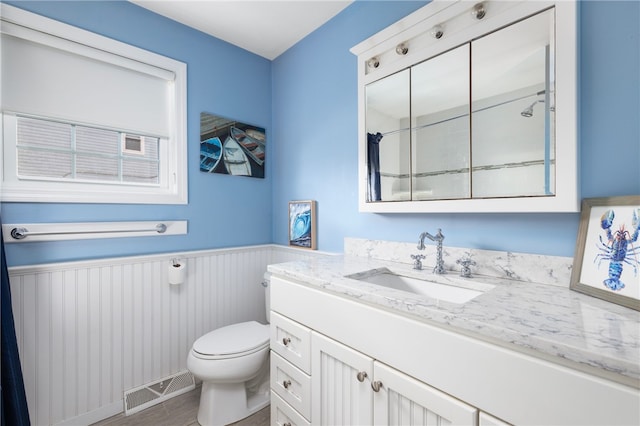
(233,364)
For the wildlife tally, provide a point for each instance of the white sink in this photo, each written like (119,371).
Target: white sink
(441,287)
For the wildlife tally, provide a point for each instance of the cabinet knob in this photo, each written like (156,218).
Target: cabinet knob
(376,386)
(361,376)
(286,384)
(286,341)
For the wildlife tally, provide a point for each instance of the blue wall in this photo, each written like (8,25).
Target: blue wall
(306,99)
(315,116)
(223,210)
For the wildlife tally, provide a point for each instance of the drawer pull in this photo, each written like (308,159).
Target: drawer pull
(376,386)
(286,384)
(286,341)
(286,424)
(361,376)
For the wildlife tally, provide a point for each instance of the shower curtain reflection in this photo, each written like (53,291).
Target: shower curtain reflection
(373,166)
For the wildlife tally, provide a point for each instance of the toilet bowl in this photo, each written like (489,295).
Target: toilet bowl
(233,364)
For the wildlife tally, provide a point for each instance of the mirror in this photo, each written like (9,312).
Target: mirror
(512,137)
(441,126)
(388,141)
(474,122)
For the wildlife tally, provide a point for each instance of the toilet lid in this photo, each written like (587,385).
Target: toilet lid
(233,339)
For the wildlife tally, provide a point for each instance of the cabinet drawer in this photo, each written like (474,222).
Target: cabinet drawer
(283,415)
(292,341)
(291,384)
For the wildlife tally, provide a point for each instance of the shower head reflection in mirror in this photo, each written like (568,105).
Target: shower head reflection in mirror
(528,111)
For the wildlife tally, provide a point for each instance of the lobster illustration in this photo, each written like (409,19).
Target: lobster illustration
(618,249)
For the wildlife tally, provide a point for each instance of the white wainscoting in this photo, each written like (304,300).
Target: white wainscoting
(87,331)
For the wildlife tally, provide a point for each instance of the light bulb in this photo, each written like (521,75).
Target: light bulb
(478,11)
(437,31)
(402,49)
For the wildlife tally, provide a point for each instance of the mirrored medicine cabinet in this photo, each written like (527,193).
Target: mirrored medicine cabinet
(470,107)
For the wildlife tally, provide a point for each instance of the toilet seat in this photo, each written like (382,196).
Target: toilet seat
(232,341)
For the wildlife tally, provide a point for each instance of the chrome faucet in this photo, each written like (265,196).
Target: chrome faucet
(439,268)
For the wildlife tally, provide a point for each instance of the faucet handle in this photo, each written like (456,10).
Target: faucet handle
(466,262)
(417,260)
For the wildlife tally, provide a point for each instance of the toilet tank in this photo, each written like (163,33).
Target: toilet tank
(266,283)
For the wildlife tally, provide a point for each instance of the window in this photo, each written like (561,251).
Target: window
(88,119)
(59,151)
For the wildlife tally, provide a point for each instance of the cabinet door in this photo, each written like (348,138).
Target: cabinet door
(338,397)
(403,400)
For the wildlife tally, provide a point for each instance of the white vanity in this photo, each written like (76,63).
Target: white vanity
(345,351)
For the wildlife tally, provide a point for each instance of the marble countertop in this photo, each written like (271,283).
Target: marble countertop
(551,322)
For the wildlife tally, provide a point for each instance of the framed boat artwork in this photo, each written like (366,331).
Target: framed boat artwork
(302,224)
(231,147)
(607,258)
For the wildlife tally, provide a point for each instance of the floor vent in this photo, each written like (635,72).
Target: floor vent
(154,393)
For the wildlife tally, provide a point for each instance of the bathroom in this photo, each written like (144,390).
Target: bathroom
(306,99)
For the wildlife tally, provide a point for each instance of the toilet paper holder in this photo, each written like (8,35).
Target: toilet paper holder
(177,272)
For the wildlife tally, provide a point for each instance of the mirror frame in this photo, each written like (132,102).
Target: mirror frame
(460,27)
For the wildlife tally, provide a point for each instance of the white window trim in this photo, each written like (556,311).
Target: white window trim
(173,187)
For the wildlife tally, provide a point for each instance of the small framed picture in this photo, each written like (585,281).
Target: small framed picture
(607,258)
(302,224)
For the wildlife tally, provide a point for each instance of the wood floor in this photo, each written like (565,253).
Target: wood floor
(179,411)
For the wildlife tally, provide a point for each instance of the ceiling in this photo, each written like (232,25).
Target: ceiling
(264,27)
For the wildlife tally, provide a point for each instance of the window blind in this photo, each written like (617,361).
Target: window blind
(48,76)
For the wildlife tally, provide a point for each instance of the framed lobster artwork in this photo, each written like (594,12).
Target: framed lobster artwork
(607,257)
